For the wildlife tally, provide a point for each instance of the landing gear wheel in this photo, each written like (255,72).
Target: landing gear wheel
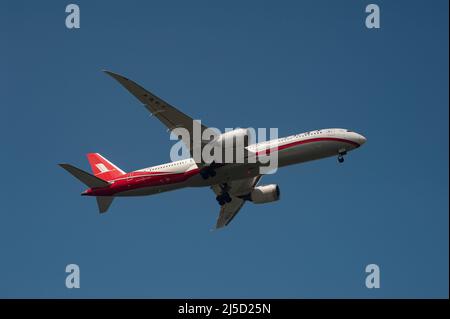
(207,172)
(204,174)
(341,153)
(223,198)
(227,197)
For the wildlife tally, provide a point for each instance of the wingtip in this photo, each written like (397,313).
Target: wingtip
(108,72)
(116,76)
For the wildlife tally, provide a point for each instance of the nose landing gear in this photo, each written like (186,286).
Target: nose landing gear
(341,156)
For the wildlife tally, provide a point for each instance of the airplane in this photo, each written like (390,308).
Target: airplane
(233,183)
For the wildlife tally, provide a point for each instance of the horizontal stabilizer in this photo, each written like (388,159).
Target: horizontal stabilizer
(86,178)
(104,202)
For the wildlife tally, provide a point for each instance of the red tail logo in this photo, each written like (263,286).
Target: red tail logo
(102,168)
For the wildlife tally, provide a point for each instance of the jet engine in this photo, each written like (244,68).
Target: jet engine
(265,194)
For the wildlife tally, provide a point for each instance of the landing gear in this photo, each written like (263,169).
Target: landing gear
(341,156)
(204,174)
(224,196)
(208,171)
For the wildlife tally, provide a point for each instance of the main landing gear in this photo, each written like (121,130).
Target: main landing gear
(209,171)
(341,156)
(224,196)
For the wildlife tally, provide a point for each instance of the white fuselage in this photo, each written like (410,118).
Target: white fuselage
(290,150)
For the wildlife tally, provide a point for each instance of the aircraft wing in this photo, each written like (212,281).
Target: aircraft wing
(170,116)
(235,189)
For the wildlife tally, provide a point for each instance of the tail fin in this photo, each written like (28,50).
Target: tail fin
(102,168)
(86,178)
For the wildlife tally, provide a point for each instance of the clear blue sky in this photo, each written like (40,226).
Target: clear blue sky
(295,65)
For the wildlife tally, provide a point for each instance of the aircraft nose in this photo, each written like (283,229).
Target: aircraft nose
(360,139)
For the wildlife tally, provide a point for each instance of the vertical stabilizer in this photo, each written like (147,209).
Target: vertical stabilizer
(102,168)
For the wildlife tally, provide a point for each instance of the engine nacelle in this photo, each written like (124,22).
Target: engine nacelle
(265,194)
